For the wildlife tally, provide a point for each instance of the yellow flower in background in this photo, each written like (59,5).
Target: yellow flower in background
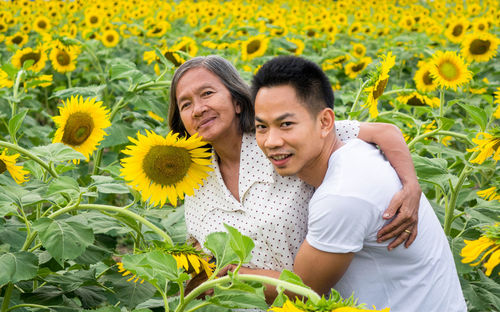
(288,306)
(63,60)
(187,45)
(8,163)
(417,99)
(481,24)
(5,82)
(379,83)
(192,262)
(334,63)
(449,70)
(19,39)
(487,146)
(479,47)
(455,32)
(110,38)
(299,46)
(162,168)
(41,24)
(423,78)
(93,18)
(38,57)
(496,114)
(353,69)
(358,50)
(489,194)
(254,47)
(155,117)
(485,249)
(158,29)
(81,124)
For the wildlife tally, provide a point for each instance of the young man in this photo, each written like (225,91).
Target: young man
(354,184)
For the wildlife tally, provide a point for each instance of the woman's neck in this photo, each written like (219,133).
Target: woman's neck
(228,149)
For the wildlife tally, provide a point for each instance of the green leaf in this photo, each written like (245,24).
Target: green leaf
(112,188)
(103,224)
(241,244)
(18,266)
(56,152)
(64,239)
(292,278)
(219,244)
(20,195)
(433,170)
(16,122)
(65,185)
(72,280)
(157,267)
(125,69)
(90,91)
(118,134)
(129,293)
(175,225)
(447,123)
(235,299)
(477,114)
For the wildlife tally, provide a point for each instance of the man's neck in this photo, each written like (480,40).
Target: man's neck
(315,172)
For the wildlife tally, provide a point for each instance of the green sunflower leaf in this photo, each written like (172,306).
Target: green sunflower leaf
(18,266)
(477,114)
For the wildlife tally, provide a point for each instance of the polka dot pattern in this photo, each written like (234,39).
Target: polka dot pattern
(272,209)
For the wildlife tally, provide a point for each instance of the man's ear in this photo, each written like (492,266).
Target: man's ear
(326,119)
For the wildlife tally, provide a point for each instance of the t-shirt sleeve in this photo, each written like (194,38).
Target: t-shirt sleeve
(347,129)
(340,224)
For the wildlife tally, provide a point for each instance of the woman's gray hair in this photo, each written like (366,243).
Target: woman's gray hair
(229,76)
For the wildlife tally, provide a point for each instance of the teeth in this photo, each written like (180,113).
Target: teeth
(280,157)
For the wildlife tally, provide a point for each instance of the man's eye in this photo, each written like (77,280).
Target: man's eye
(260,127)
(286,124)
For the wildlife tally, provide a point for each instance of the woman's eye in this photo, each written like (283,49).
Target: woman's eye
(185,105)
(207,93)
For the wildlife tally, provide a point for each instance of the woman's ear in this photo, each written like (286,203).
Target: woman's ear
(237,106)
(326,119)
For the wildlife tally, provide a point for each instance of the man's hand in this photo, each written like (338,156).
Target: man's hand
(404,205)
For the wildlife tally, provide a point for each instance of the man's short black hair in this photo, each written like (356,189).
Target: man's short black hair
(310,83)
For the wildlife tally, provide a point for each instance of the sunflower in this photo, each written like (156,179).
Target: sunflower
(334,304)
(158,29)
(496,114)
(126,272)
(110,38)
(352,69)
(449,70)
(486,246)
(19,39)
(81,124)
(489,194)
(299,46)
(423,79)
(63,60)
(164,168)
(173,56)
(38,57)
(481,24)
(455,31)
(3,26)
(334,63)
(191,260)
(479,47)
(417,99)
(93,18)
(358,50)
(8,163)
(41,24)
(254,47)
(380,80)
(354,28)
(5,82)
(187,45)
(155,117)
(487,146)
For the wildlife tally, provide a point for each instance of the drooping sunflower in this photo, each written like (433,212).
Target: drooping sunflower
(449,70)
(5,82)
(110,38)
(455,31)
(81,124)
(489,194)
(485,249)
(358,50)
(423,79)
(479,47)
(19,39)
(254,47)
(158,29)
(379,82)
(299,46)
(187,45)
(487,146)
(496,114)
(41,24)
(353,69)
(173,56)
(162,168)
(334,63)
(191,260)
(418,99)
(8,163)
(125,272)
(38,57)
(63,60)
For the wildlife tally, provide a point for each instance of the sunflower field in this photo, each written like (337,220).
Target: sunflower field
(84,94)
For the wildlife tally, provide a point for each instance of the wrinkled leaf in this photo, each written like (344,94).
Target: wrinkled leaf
(241,244)
(17,266)
(56,152)
(90,91)
(218,243)
(477,114)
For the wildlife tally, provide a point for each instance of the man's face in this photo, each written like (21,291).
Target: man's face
(286,131)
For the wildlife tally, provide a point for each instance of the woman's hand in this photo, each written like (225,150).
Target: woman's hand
(404,206)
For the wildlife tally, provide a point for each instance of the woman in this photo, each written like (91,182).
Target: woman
(210,98)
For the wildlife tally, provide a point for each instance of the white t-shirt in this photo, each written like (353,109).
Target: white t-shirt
(345,214)
(272,209)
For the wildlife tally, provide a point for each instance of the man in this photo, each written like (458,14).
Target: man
(354,184)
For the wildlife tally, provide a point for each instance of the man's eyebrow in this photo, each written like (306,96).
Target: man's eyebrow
(279,118)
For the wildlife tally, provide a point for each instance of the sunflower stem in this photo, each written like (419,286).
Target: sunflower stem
(68,77)
(28,305)
(6,297)
(152,84)
(25,152)
(118,210)
(19,77)
(356,100)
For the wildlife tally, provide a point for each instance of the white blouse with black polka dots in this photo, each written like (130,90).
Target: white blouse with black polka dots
(272,209)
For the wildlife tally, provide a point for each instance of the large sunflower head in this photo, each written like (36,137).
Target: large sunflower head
(81,123)
(63,60)
(254,47)
(485,249)
(487,144)
(479,47)
(423,79)
(8,163)
(162,168)
(37,56)
(187,45)
(449,70)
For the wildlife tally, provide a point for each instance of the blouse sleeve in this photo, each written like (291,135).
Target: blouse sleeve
(347,129)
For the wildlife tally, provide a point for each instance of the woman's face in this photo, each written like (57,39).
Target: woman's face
(205,105)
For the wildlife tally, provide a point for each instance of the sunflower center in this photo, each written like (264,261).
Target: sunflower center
(42,24)
(17,39)
(166,165)
(63,58)
(379,90)
(495,146)
(481,27)
(157,30)
(253,46)
(171,57)
(427,79)
(110,38)
(359,51)
(31,56)
(457,30)
(311,33)
(358,67)
(94,20)
(415,101)
(479,47)
(3,166)
(78,128)
(448,71)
